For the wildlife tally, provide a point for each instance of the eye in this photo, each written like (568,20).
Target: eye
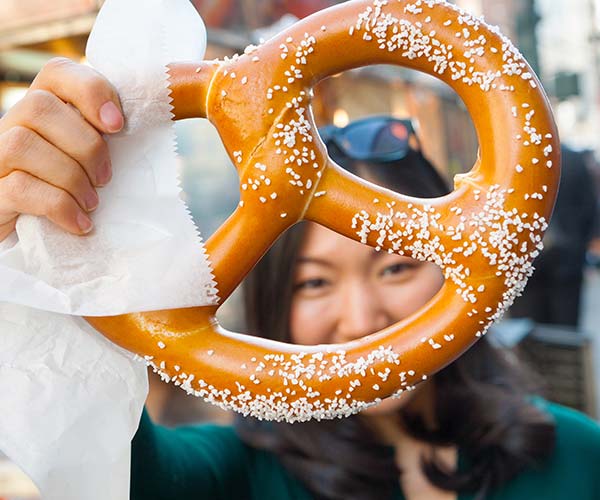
(397,269)
(311,284)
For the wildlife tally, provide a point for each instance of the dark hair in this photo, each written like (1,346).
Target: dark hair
(500,434)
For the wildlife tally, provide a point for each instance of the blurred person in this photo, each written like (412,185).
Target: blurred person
(553,293)
(473,430)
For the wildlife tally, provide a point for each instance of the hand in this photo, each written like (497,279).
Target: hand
(52,152)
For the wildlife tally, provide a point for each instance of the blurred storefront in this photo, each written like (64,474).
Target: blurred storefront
(32,31)
(570,67)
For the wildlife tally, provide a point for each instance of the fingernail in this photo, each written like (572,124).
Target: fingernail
(104,174)
(111,117)
(84,223)
(91,201)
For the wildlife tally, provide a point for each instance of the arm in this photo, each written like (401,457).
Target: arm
(191,462)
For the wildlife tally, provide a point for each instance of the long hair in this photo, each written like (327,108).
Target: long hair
(481,400)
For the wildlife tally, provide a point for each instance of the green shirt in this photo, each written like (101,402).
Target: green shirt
(208,461)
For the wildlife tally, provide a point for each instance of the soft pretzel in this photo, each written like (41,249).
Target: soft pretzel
(484,235)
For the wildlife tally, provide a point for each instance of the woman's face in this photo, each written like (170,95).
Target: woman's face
(344,290)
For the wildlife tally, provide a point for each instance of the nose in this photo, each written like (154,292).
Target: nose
(360,312)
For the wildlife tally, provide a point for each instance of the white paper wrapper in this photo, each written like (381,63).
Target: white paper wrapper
(69,400)
(71,403)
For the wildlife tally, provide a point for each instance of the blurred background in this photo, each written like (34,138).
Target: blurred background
(555,326)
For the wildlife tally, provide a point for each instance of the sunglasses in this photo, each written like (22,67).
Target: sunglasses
(376,138)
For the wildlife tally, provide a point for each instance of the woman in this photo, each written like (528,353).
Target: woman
(472,431)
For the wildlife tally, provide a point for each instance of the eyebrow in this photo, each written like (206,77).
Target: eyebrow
(314,260)
(375,255)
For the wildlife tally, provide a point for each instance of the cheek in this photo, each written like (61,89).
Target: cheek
(309,322)
(431,282)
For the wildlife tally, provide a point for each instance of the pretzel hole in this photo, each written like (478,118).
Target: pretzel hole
(444,131)
(208,178)
(316,287)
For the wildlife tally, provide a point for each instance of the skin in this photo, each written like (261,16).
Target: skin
(53,155)
(343,291)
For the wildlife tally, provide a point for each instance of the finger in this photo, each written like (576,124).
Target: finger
(22,193)
(23,149)
(84,88)
(7,228)
(65,128)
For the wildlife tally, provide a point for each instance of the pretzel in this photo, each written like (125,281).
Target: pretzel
(484,235)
